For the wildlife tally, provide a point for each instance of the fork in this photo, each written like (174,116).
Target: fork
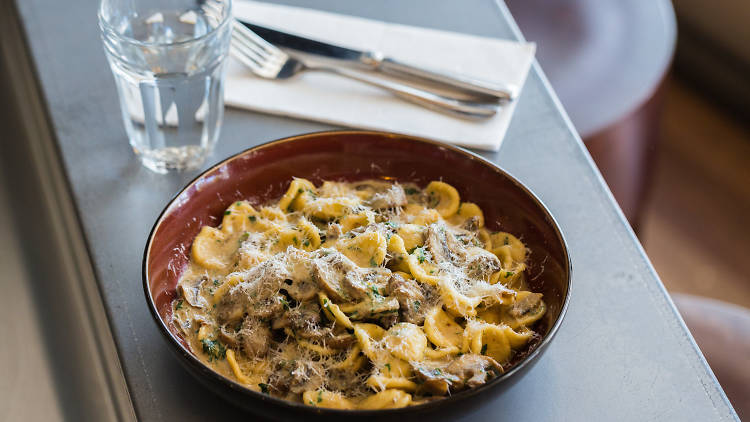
(269,62)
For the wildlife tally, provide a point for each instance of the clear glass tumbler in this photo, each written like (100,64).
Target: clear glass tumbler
(167,57)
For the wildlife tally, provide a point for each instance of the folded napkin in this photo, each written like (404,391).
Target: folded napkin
(340,101)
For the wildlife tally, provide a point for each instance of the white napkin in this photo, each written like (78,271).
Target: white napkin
(337,100)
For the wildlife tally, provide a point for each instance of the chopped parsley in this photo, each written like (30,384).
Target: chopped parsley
(306,242)
(411,191)
(179,305)
(506,241)
(484,349)
(252,218)
(227,212)
(417,305)
(420,255)
(216,282)
(320,396)
(434,200)
(388,365)
(372,262)
(285,304)
(327,306)
(508,274)
(294,239)
(375,290)
(214,349)
(263,388)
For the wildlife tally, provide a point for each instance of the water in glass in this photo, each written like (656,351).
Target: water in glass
(168,67)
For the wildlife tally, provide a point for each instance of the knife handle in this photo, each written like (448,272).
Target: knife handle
(458,108)
(460,82)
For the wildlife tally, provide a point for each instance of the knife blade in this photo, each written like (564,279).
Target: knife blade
(376,61)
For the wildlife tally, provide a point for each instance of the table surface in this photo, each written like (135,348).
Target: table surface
(622,352)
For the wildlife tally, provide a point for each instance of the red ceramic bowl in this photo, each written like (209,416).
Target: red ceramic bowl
(262,174)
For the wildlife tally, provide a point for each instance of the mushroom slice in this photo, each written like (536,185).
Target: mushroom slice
(329,269)
(436,380)
(191,292)
(473,369)
(302,289)
(410,298)
(255,336)
(528,308)
(392,197)
(481,263)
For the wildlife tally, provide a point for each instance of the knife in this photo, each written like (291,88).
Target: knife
(377,61)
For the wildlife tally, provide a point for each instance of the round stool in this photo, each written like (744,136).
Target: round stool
(722,331)
(607,61)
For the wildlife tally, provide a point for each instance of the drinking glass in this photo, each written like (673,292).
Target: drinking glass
(167,57)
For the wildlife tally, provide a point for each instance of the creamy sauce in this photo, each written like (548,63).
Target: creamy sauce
(363,295)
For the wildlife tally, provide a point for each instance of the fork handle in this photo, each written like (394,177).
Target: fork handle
(432,101)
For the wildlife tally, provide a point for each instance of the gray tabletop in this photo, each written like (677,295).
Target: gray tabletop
(622,353)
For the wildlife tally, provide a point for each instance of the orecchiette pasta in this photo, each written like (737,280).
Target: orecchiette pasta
(366,249)
(363,295)
(323,398)
(442,329)
(211,249)
(444,198)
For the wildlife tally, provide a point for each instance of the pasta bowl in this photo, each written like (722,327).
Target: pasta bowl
(262,174)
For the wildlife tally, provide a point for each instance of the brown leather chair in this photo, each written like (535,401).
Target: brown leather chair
(607,61)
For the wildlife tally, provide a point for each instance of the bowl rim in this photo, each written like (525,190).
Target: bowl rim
(322,411)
